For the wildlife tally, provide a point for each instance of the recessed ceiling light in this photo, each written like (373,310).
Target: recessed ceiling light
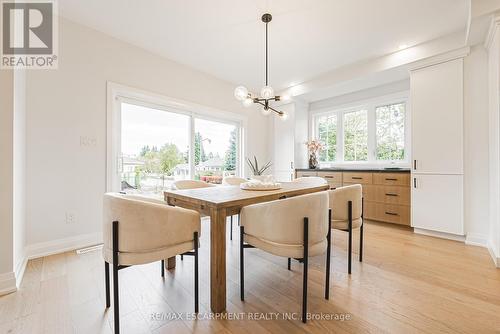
(403,46)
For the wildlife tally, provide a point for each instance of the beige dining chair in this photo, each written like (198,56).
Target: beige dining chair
(232,181)
(346,204)
(190,184)
(142,230)
(296,227)
(313,180)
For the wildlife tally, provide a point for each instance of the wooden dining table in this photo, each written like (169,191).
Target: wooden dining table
(218,203)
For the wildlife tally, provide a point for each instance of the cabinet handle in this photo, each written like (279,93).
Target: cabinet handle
(415,164)
(389,194)
(356,178)
(415,182)
(391,213)
(390,179)
(291,164)
(328,177)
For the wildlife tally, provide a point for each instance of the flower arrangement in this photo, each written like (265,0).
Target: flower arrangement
(314,146)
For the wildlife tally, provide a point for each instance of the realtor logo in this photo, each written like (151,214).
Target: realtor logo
(29,34)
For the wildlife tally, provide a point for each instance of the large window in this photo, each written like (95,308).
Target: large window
(390,125)
(215,150)
(154,145)
(374,132)
(327,133)
(356,136)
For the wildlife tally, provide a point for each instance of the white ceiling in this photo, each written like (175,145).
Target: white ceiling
(225,38)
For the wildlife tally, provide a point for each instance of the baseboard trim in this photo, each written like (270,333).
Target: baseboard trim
(494,256)
(62,245)
(7,283)
(441,235)
(476,239)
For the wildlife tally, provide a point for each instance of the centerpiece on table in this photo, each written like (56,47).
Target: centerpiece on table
(259,181)
(313,147)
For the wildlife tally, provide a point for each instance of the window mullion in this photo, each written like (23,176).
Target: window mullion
(340,136)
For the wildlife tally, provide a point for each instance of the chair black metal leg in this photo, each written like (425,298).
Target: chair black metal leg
(182,257)
(304,275)
(196,300)
(106,277)
(242,265)
(328,254)
(231,230)
(162,268)
(289,264)
(361,243)
(350,237)
(116,302)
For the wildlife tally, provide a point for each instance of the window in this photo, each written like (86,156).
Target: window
(390,125)
(215,150)
(327,133)
(356,136)
(154,149)
(153,141)
(374,132)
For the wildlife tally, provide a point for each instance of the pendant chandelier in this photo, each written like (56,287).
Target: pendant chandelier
(266,93)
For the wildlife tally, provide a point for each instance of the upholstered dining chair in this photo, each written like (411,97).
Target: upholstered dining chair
(232,181)
(297,227)
(139,231)
(346,204)
(314,180)
(190,184)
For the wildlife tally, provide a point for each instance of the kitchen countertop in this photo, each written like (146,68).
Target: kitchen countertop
(347,169)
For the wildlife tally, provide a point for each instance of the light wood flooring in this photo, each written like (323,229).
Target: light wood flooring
(407,283)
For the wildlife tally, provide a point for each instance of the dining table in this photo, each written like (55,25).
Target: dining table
(218,203)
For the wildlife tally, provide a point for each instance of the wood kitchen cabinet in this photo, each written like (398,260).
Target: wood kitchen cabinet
(386,194)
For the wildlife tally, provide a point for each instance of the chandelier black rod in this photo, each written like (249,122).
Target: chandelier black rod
(266,54)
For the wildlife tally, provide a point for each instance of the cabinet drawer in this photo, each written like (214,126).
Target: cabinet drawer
(334,179)
(387,194)
(391,213)
(392,179)
(357,178)
(306,174)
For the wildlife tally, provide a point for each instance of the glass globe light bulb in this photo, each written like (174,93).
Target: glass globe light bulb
(285,97)
(247,102)
(265,111)
(284,116)
(240,93)
(267,92)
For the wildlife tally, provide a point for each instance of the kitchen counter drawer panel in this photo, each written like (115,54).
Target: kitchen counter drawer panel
(398,214)
(392,179)
(387,194)
(357,178)
(306,174)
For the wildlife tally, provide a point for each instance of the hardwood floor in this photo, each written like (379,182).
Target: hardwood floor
(407,283)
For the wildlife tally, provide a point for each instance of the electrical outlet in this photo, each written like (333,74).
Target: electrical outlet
(70,218)
(86,141)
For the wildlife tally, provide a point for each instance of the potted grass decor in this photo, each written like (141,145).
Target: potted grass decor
(257,170)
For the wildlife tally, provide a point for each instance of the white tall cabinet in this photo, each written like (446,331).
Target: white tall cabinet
(284,144)
(437,147)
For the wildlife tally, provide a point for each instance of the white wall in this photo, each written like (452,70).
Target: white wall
(70,102)
(493,43)
(7,278)
(476,157)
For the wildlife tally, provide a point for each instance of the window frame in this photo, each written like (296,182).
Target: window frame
(370,106)
(118,94)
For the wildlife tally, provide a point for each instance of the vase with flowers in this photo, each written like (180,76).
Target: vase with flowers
(313,147)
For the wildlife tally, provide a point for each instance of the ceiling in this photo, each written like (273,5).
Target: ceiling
(225,38)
